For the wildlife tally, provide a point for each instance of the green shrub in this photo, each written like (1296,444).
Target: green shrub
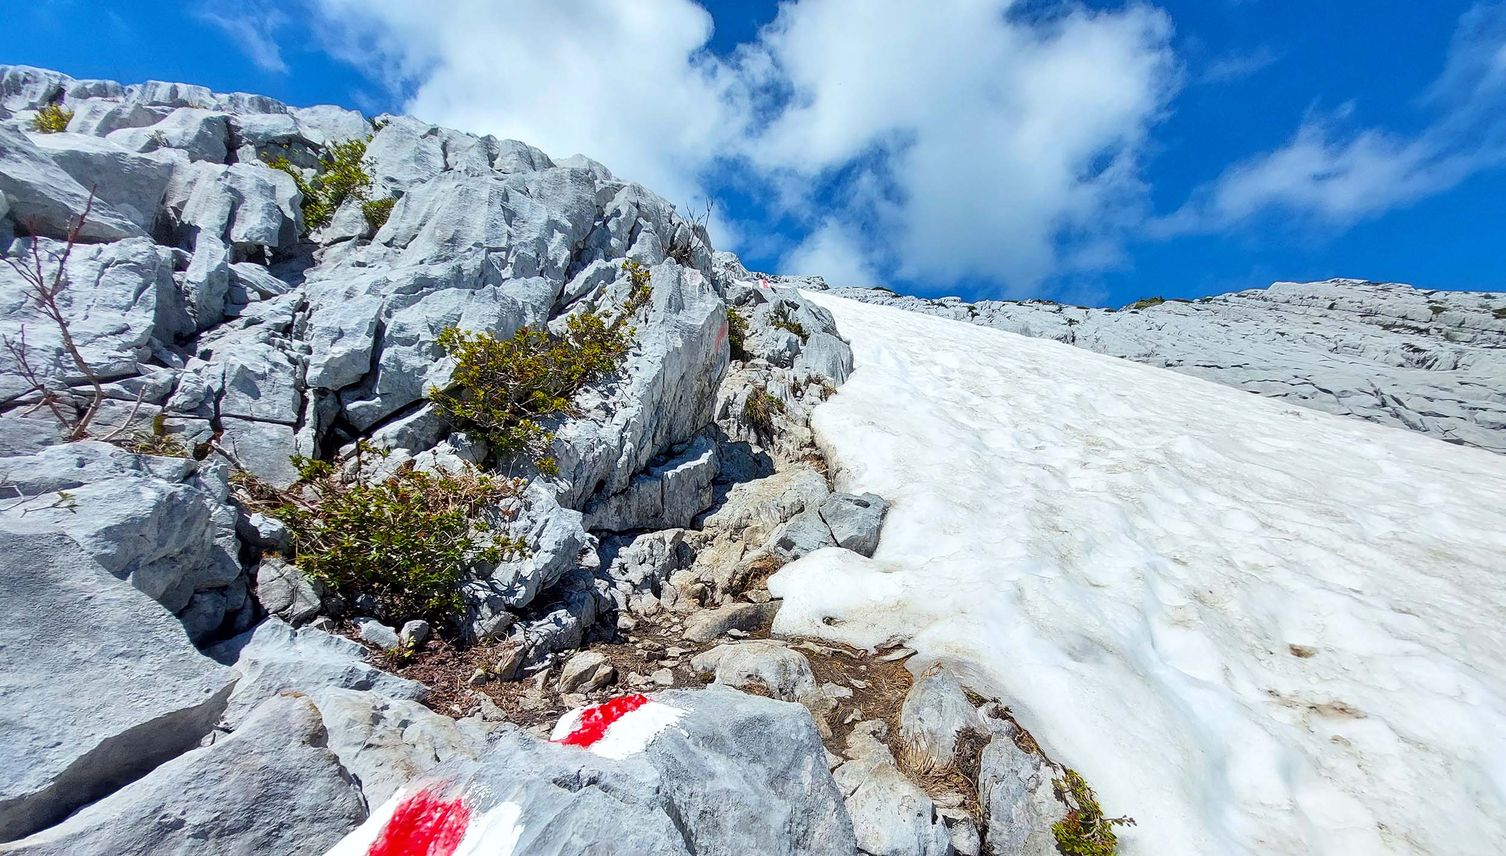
(51,119)
(1084,831)
(377,211)
(1499,312)
(503,388)
(737,334)
(408,540)
(344,173)
(758,412)
(783,321)
(1146,303)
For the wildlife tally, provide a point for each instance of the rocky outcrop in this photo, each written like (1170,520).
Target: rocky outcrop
(163,524)
(708,772)
(271,787)
(1429,361)
(98,684)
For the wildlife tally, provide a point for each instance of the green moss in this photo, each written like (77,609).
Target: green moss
(505,388)
(737,334)
(51,119)
(377,211)
(1146,303)
(409,540)
(1084,831)
(344,173)
(758,413)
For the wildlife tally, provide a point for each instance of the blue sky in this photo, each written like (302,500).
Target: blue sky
(1088,152)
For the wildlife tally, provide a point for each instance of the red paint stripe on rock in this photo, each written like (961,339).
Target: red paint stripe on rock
(594,721)
(423,825)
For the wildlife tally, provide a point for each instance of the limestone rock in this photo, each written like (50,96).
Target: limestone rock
(387,742)
(855,521)
(275,658)
(709,624)
(586,671)
(161,523)
(47,199)
(667,495)
(803,535)
(271,787)
(98,684)
(283,591)
(934,715)
(735,774)
(890,815)
(1019,801)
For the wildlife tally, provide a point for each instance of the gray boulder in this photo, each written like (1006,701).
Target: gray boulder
(709,624)
(752,511)
(387,742)
(825,355)
(935,714)
(890,815)
(98,684)
(283,591)
(1016,789)
(274,658)
(668,495)
(271,787)
(122,305)
(585,672)
(46,199)
(732,774)
(803,535)
(204,135)
(132,184)
(855,520)
(163,524)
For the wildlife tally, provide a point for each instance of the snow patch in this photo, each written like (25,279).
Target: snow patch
(1254,628)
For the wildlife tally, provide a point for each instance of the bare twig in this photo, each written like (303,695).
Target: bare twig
(43,290)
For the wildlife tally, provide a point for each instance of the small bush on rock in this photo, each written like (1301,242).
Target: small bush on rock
(737,334)
(51,119)
(1084,831)
(377,211)
(408,540)
(344,173)
(758,412)
(1146,303)
(783,321)
(504,388)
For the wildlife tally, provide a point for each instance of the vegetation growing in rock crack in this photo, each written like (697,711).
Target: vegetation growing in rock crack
(51,119)
(505,388)
(1084,831)
(408,539)
(758,413)
(783,321)
(155,441)
(1146,303)
(344,173)
(377,211)
(737,334)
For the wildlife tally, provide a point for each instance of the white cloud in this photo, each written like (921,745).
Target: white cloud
(253,28)
(967,142)
(625,83)
(834,252)
(1339,178)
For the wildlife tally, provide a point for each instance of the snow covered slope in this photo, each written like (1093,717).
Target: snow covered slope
(1254,627)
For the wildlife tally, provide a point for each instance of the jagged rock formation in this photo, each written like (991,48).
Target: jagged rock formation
(179,684)
(1431,361)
